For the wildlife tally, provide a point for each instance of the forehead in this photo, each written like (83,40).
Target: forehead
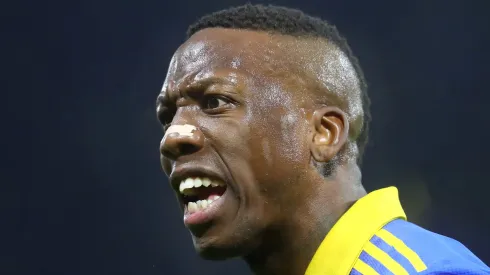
(252,53)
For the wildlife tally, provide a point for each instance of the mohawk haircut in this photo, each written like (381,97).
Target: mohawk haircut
(292,22)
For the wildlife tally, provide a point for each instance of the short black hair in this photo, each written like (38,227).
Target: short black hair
(291,22)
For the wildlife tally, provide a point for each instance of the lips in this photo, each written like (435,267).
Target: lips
(201,193)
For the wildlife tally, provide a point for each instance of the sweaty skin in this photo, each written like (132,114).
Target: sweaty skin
(268,111)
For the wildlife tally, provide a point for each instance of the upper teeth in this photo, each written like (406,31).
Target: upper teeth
(198,182)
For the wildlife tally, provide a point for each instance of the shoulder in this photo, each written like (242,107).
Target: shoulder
(402,247)
(429,252)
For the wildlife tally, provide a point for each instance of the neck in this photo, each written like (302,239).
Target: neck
(288,248)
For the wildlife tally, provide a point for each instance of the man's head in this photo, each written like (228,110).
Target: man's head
(274,104)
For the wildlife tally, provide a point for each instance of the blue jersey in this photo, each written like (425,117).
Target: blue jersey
(374,237)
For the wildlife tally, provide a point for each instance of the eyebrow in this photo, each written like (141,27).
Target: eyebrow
(208,81)
(194,85)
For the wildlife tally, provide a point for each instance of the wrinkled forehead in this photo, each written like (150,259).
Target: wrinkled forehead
(252,53)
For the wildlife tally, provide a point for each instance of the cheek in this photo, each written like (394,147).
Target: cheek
(279,128)
(232,139)
(228,136)
(279,144)
(292,136)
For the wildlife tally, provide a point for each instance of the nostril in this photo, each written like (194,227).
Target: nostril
(174,152)
(187,149)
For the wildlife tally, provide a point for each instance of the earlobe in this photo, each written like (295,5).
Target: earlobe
(330,133)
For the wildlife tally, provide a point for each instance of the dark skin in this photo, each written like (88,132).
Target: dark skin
(265,123)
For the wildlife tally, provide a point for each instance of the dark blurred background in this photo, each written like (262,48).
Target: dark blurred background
(83,191)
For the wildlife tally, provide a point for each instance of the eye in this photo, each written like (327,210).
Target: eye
(214,102)
(165,116)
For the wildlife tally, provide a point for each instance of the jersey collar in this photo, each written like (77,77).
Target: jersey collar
(342,246)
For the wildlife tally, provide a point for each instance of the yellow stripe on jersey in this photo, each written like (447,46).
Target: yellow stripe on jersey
(385,259)
(340,249)
(403,249)
(364,268)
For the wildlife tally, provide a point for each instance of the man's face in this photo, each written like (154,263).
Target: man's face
(251,135)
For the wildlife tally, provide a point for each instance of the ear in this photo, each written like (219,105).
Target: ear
(330,133)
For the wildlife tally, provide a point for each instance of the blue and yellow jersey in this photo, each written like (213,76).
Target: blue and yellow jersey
(374,237)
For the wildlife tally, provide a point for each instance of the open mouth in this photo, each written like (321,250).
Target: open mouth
(199,193)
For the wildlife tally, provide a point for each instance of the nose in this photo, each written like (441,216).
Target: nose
(179,141)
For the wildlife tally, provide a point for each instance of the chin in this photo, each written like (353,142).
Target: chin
(219,250)
(213,254)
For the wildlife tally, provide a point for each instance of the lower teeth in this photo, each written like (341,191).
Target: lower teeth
(193,207)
